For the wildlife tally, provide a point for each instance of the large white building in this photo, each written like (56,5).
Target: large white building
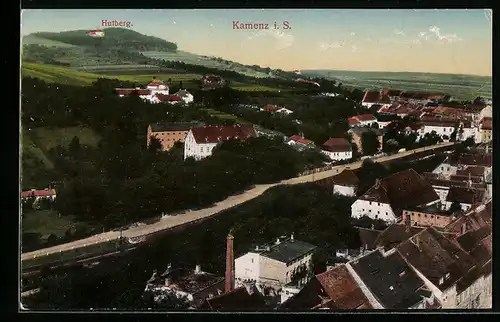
(389,196)
(345,183)
(200,141)
(337,149)
(276,264)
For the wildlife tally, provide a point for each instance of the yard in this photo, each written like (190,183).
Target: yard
(222,115)
(48,138)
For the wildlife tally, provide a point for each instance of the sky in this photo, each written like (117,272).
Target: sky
(433,41)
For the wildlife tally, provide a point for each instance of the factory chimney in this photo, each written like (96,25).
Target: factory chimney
(229,264)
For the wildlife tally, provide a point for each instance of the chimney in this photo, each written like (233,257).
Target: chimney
(197,269)
(377,183)
(229,264)
(277,241)
(407,223)
(291,237)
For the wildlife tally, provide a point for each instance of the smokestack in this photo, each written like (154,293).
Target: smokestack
(377,183)
(407,223)
(229,264)
(197,269)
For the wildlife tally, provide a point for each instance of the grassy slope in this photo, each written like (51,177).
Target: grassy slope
(46,222)
(36,40)
(460,86)
(50,73)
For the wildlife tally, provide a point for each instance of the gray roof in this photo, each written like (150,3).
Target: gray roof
(288,250)
(182,93)
(173,126)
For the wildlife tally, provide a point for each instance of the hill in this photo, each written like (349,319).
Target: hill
(116,38)
(121,47)
(459,86)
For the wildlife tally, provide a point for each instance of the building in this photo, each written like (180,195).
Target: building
(375,98)
(473,220)
(442,127)
(389,196)
(337,149)
(345,183)
(441,263)
(334,289)
(389,282)
(362,120)
(276,109)
(277,264)
(200,141)
(442,187)
(186,97)
(394,235)
(239,299)
(357,135)
(300,143)
(467,197)
(38,195)
(169,133)
(152,89)
(486,130)
(192,286)
(432,216)
(164,98)
(419,98)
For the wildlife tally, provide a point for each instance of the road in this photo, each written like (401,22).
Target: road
(190,216)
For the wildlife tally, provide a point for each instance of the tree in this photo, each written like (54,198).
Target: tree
(368,173)
(52,240)
(370,143)
(469,142)
(391,145)
(155,145)
(455,207)
(75,148)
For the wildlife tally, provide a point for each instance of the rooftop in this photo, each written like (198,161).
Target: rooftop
(173,126)
(390,280)
(214,134)
(191,282)
(371,97)
(432,209)
(365,117)
(438,258)
(345,178)
(342,289)
(38,193)
(238,299)
(401,190)
(465,195)
(287,250)
(394,235)
(483,159)
(337,145)
(301,140)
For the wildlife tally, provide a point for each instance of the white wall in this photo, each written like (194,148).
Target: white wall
(344,190)
(442,192)
(464,206)
(440,130)
(247,266)
(338,156)
(445,169)
(306,260)
(374,210)
(195,150)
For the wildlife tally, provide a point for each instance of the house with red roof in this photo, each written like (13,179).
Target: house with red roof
(300,143)
(375,98)
(169,99)
(150,93)
(337,149)
(200,141)
(39,194)
(362,120)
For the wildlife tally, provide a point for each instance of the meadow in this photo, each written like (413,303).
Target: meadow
(46,222)
(462,87)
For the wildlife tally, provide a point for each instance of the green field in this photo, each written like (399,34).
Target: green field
(458,86)
(58,74)
(46,222)
(206,61)
(222,115)
(253,88)
(36,40)
(48,138)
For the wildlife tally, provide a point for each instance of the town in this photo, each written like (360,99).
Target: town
(154,179)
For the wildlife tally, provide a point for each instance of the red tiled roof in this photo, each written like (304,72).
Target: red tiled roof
(214,134)
(391,92)
(132,91)
(341,288)
(352,121)
(337,145)
(371,97)
(365,117)
(476,159)
(345,178)
(475,108)
(271,108)
(38,193)
(436,256)
(168,98)
(301,140)
(403,189)
(156,83)
(473,170)
(465,195)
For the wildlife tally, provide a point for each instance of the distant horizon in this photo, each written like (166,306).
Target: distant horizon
(393,72)
(455,42)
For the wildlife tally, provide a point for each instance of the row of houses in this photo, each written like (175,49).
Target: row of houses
(407,267)
(157,92)
(401,267)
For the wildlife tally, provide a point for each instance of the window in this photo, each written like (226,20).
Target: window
(386,213)
(432,217)
(369,210)
(425,216)
(376,216)
(378,212)
(378,203)
(252,260)
(370,203)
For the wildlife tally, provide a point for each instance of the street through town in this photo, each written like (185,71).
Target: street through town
(194,215)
